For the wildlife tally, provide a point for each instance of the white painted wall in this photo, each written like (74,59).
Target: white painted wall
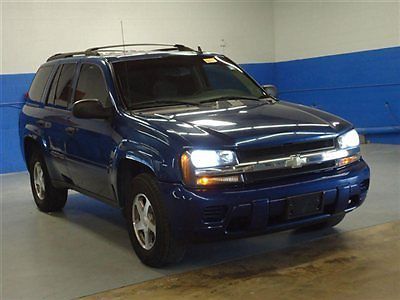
(304,29)
(262,31)
(32,31)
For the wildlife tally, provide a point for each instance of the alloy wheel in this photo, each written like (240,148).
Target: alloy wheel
(38,180)
(144,221)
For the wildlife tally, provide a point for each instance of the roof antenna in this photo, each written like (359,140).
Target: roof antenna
(199,49)
(122,34)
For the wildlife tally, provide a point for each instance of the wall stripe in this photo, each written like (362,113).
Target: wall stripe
(363,87)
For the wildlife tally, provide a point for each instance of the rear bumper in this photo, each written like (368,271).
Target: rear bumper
(252,210)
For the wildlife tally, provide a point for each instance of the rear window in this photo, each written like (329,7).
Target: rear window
(61,87)
(39,83)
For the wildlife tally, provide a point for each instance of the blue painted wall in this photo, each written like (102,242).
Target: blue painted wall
(363,87)
(12,90)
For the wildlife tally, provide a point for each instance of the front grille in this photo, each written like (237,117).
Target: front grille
(255,177)
(259,154)
(213,214)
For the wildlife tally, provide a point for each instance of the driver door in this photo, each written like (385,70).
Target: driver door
(90,145)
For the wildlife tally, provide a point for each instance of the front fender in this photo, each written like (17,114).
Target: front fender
(161,161)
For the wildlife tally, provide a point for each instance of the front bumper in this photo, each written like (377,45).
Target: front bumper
(257,209)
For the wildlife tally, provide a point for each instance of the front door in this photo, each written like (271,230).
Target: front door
(91,143)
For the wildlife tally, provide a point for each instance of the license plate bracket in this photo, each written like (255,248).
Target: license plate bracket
(304,205)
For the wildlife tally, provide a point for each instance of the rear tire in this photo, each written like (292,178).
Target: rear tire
(46,196)
(327,224)
(146,211)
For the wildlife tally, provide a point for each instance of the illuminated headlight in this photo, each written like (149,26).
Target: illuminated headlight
(349,140)
(212,158)
(191,161)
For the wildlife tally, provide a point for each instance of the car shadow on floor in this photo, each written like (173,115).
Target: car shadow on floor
(96,217)
(108,223)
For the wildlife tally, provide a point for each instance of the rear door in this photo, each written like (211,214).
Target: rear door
(56,121)
(90,147)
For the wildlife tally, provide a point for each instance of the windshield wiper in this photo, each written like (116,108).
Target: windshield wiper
(153,103)
(226,98)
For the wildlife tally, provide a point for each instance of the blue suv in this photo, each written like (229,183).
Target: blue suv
(187,144)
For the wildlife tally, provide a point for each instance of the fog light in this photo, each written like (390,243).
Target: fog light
(347,160)
(218,180)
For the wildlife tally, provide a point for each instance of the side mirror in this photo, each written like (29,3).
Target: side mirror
(90,109)
(271,90)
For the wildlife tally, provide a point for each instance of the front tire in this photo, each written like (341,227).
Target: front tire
(46,196)
(150,230)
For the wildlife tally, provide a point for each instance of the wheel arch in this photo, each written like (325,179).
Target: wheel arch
(127,169)
(30,143)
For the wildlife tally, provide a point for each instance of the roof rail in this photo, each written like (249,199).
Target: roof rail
(95,50)
(71,54)
(178,47)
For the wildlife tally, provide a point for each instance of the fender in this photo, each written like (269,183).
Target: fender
(34,133)
(139,153)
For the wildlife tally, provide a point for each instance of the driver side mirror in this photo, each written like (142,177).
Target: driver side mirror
(271,90)
(90,109)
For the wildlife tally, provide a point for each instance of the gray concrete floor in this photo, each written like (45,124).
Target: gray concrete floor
(361,264)
(85,249)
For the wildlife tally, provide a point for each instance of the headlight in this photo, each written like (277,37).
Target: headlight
(349,140)
(192,161)
(212,158)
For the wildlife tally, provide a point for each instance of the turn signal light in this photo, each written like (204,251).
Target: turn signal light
(218,180)
(348,160)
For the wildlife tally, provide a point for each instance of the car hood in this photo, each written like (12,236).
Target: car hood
(245,123)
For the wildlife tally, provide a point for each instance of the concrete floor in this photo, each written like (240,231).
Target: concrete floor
(85,249)
(360,265)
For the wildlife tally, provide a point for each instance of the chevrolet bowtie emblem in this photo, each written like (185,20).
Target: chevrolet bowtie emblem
(296,161)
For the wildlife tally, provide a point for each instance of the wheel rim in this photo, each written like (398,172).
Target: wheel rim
(144,221)
(38,180)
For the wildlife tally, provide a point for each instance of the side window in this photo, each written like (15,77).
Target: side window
(91,85)
(61,87)
(39,83)
(52,92)
(64,85)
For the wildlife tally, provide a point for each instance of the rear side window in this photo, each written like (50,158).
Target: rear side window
(61,87)
(91,85)
(52,92)
(39,83)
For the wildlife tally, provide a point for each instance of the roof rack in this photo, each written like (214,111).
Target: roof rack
(95,51)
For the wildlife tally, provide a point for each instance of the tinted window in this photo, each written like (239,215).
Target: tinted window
(61,87)
(219,78)
(39,83)
(52,92)
(182,78)
(91,85)
(64,85)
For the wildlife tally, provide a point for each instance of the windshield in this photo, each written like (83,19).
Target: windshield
(188,80)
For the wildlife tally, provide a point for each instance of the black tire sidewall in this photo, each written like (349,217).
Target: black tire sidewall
(158,254)
(54,199)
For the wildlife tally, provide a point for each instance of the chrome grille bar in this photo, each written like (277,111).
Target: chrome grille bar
(288,162)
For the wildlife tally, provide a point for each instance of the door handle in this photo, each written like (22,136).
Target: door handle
(43,124)
(71,130)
